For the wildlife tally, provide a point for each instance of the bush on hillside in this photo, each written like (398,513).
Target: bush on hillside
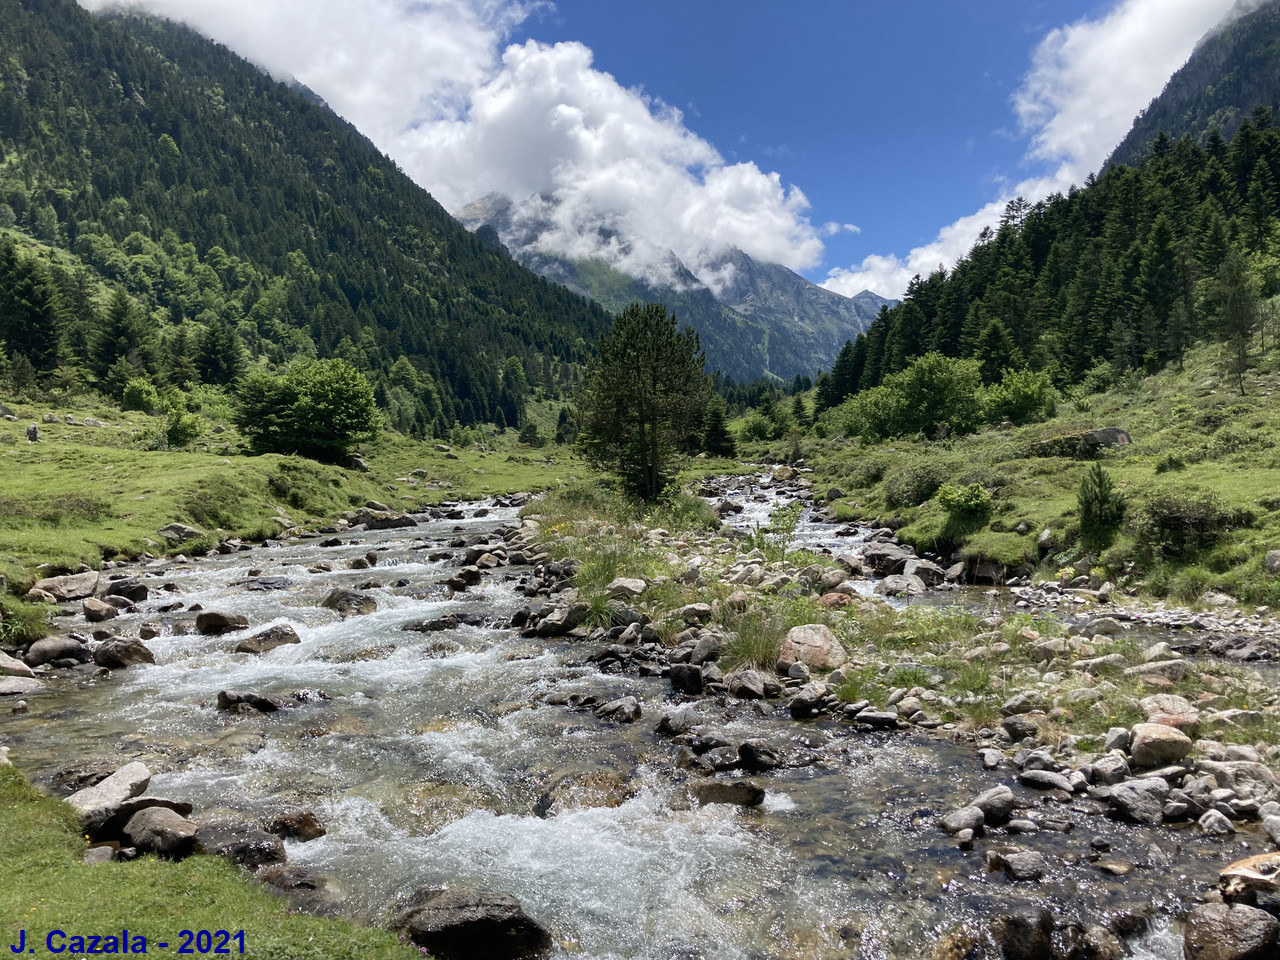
(318,409)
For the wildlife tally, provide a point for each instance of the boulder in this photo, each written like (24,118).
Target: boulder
(926,570)
(48,649)
(99,803)
(179,533)
(1220,931)
(19,686)
(886,558)
(13,667)
(232,701)
(301,825)
(74,586)
(1243,880)
(464,923)
(277,636)
(814,645)
(686,678)
(624,710)
(95,610)
(752,685)
(162,831)
(349,603)
(1155,745)
(1106,437)
(626,588)
(242,844)
(757,755)
(1272,562)
(122,652)
(1140,801)
(1171,710)
(901,584)
(134,591)
(1024,934)
(215,623)
(965,818)
(743,793)
(996,804)
(807,700)
(1250,780)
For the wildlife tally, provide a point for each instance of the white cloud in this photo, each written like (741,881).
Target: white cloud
(1087,82)
(831,228)
(430,83)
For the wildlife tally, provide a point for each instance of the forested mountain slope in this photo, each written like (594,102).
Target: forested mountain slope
(1229,73)
(224,202)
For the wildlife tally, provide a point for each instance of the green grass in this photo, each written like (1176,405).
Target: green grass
(48,888)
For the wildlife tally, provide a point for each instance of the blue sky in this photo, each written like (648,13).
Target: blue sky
(857,143)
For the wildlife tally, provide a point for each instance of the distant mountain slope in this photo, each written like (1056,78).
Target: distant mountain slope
(1230,72)
(757,319)
(215,194)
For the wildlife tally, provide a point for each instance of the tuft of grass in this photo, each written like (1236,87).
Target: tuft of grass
(754,641)
(22,623)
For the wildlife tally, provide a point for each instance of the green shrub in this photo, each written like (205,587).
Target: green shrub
(775,539)
(684,512)
(1177,524)
(868,471)
(913,483)
(530,436)
(140,394)
(964,503)
(318,408)
(1170,461)
(756,427)
(936,396)
(1021,396)
(180,429)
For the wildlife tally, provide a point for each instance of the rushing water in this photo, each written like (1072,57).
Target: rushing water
(445,758)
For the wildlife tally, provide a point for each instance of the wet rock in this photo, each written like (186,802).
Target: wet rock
(758,755)
(301,825)
(1155,744)
(752,685)
(1243,880)
(1140,801)
(1215,824)
(135,591)
(1220,931)
(1044,780)
(19,687)
(966,818)
(743,793)
(1250,781)
(349,603)
(624,710)
(1024,865)
(49,649)
(269,639)
(879,719)
(161,831)
(464,923)
(886,558)
(686,678)
(216,623)
(678,721)
(807,701)
(97,804)
(926,571)
(996,804)
(242,844)
(121,653)
(96,611)
(1026,933)
(74,586)
(814,645)
(230,701)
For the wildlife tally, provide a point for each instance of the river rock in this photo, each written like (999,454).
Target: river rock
(1117,738)
(48,649)
(686,678)
(626,588)
(19,686)
(901,585)
(1140,801)
(1111,768)
(301,825)
(13,667)
(1024,865)
(1215,824)
(743,793)
(179,533)
(269,639)
(215,623)
(965,818)
(230,701)
(1220,931)
(1026,933)
(242,844)
(464,923)
(75,586)
(756,755)
(814,645)
(122,652)
(624,710)
(678,721)
(886,558)
(96,611)
(1250,781)
(162,831)
(996,804)
(928,572)
(134,591)
(349,603)
(1155,745)
(807,700)
(1044,780)
(1171,710)
(99,803)
(752,685)
(1243,880)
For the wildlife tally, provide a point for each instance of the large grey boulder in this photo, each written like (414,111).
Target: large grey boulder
(124,652)
(1250,781)
(75,586)
(1156,745)
(464,923)
(1220,931)
(242,844)
(163,831)
(96,611)
(996,804)
(743,793)
(1140,801)
(19,686)
(99,803)
(215,623)
(49,649)
(13,667)
(901,584)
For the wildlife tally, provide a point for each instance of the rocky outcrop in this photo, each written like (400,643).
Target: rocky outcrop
(99,803)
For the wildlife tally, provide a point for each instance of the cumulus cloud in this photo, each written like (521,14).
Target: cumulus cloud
(1087,82)
(607,171)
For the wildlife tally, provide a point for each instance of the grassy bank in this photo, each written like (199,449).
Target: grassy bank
(1200,480)
(48,888)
